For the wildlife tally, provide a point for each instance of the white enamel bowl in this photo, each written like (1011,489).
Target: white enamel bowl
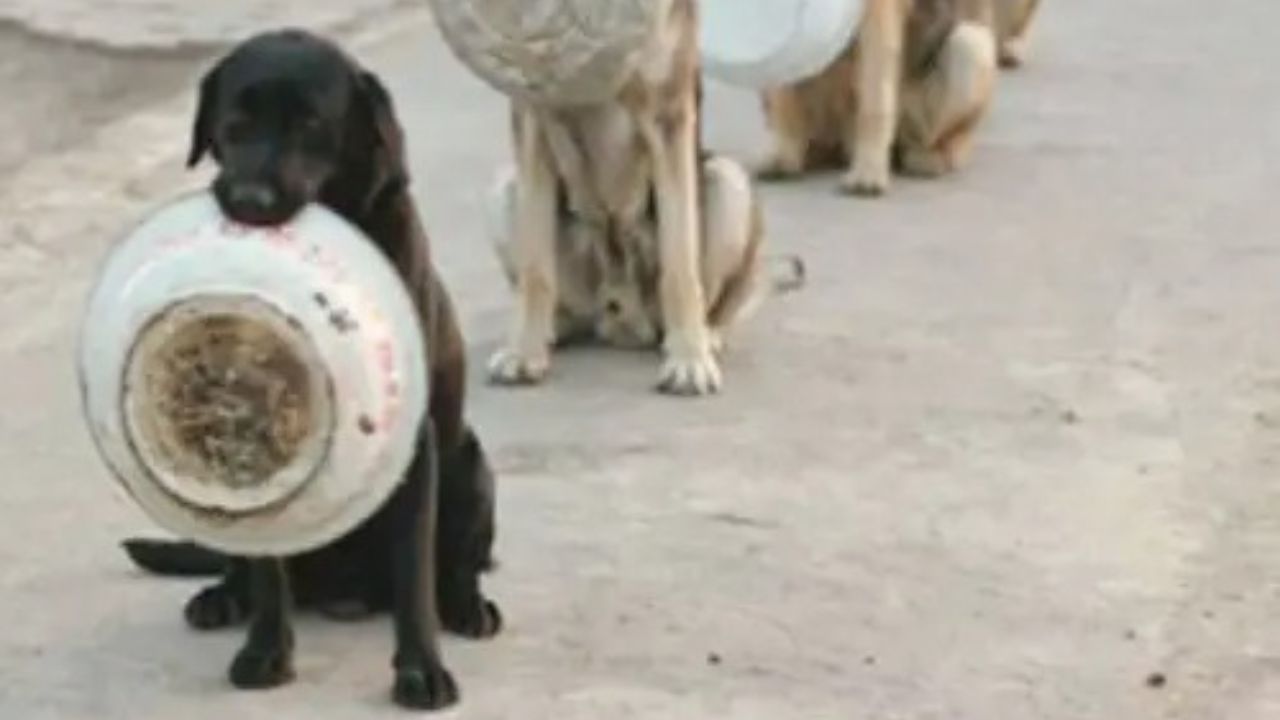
(257,390)
(767,43)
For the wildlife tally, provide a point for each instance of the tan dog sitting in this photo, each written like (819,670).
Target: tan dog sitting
(608,272)
(912,87)
(614,223)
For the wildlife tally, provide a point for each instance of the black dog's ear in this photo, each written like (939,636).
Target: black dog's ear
(382,113)
(390,166)
(202,129)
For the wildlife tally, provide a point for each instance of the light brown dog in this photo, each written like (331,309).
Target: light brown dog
(910,90)
(1013,21)
(613,225)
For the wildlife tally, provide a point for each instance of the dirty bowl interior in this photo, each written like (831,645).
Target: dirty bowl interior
(257,390)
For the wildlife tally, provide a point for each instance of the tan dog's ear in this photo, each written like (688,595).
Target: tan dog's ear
(203,129)
(390,166)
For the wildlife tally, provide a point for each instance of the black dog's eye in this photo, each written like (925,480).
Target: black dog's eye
(315,135)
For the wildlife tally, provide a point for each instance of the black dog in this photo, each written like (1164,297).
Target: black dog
(292,120)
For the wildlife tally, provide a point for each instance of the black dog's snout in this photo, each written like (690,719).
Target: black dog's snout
(253,198)
(253,202)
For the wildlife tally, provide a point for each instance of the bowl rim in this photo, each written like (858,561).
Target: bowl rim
(395,319)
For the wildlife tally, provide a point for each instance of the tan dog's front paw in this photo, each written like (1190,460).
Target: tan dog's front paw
(866,179)
(690,373)
(519,367)
(715,338)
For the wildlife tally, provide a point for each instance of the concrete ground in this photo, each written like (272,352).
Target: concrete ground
(1011,455)
(182,24)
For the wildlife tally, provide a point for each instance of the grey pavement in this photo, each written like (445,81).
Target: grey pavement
(1011,455)
(159,24)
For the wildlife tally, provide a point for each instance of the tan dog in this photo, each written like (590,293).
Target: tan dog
(612,224)
(912,87)
(1013,21)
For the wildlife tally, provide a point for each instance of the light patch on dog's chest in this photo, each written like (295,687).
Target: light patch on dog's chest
(605,169)
(608,146)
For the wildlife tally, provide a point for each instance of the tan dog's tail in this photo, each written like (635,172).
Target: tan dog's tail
(787,274)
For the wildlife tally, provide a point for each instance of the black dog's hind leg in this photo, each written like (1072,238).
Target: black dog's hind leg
(421,681)
(466,540)
(174,558)
(223,604)
(266,660)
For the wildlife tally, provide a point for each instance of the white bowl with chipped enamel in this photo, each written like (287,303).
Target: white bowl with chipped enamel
(767,43)
(257,390)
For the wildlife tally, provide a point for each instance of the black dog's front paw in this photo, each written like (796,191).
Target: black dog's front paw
(261,669)
(215,608)
(475,618)
(425,688)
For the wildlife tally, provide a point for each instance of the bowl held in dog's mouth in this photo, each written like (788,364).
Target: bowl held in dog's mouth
(768,43)
(259,390)
(552,52)
(580,52)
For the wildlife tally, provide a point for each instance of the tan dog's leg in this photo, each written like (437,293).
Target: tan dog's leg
(790,131)
(500,223)
(690,367)
(576,302)
(1013,21)
(527,356)
(879,70)
(733,231)
(942,110)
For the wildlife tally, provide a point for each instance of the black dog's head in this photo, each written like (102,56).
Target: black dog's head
(292,120)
